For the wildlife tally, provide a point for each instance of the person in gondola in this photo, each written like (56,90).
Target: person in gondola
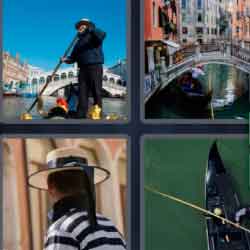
(241,213)
(186,83)
(72,101)
(75,225)
(88,54)
(191,84)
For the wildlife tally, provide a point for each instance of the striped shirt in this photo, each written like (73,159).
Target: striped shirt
(72,232)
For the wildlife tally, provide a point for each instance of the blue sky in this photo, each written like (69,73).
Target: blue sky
(41,30)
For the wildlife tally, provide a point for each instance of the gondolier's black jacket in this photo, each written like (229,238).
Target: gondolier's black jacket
(88,49)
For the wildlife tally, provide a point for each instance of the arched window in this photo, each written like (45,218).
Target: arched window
(105,78)
(42,79)
(119,82)
(112,80)
(48,79)
(71,74)
(34,81)
(63,75)
(56,78)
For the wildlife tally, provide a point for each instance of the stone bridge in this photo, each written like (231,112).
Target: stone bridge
(111,87)
(187,58)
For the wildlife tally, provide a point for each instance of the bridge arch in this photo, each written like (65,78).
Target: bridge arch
(56,78)
(63,76)
(34,81)
(112,88)
(119,82)
(169,74)
(42,80)
(71,74)
(105,78)
(194,64)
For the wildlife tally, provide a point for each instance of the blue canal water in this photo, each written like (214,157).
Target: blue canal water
(13,107)
(230,98)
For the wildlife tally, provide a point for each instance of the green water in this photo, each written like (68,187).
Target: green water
(178,167)
(230,96)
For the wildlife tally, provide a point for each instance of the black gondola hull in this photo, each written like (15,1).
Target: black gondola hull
(223,199)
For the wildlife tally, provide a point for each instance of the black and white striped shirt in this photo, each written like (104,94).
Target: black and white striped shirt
(72,232)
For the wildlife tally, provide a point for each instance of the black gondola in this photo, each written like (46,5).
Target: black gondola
(187,101)
(222,199)
(193,101)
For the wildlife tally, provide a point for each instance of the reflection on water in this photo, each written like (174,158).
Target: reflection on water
(13,107)
(230,96)
(227,83)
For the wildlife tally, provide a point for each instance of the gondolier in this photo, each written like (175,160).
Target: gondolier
(69,180)
(89,56)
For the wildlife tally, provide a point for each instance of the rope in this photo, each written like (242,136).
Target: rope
(186,203)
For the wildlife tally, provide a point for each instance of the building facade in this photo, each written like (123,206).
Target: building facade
(247,25)
(14,70)
(225,20)
(152,13)
(199,21)
(161,22)
(161,37)
(241,23)
(169,20)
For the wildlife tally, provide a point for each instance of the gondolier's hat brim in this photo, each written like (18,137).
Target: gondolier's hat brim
(83,21)
(64,159)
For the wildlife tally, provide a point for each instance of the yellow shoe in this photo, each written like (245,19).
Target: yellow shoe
(112,117)
(26,116)
(95,113)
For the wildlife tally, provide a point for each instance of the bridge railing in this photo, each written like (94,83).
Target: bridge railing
(184,53)
(240,53)
(114,85)
(55,86)
(185,57)
(209,47)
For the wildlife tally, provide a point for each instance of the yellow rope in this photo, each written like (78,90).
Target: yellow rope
(155,191)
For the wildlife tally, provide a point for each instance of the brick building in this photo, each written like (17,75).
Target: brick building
(160,35)
(160,26)
(241,22)
(14,70)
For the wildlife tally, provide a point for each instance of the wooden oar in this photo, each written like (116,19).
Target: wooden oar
(224,220)
(50,78)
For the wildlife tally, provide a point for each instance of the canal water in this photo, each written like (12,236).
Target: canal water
(13,107)
(230,98)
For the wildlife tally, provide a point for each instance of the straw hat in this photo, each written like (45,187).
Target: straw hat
(63,159)
(83,21)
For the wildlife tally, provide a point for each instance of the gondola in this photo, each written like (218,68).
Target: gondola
(223,200)
(192,101)
(188,101)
